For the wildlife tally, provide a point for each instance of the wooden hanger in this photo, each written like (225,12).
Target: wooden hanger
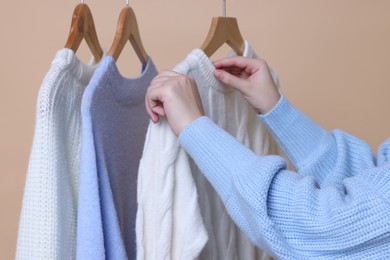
(127,30)
(223,30)
(83,27)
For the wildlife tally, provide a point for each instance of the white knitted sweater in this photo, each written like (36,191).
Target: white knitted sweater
(178,209)
(47,228)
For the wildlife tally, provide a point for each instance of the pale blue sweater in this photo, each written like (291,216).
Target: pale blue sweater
(114,125)
(336,207)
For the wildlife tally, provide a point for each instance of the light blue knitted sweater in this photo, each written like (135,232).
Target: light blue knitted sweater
(336,207)
(114,125)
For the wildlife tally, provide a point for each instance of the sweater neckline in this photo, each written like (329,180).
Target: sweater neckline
(81,71)
(130,90)
(198,59)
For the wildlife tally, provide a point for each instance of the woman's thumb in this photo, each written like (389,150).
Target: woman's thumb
(229,79)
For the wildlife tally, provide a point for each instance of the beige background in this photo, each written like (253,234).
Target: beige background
(333,59)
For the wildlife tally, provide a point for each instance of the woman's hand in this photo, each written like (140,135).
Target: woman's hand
(252,78)
(176,97)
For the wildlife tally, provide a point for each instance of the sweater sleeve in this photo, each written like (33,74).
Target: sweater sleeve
(383,153)
(289,215)
(168,210)
(328,156)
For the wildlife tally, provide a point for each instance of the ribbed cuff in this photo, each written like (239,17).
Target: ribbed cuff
(297,134)
(218,154)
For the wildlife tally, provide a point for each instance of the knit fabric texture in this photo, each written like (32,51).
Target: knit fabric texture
(47,228)
(335,207)
(175,199)
(113,134)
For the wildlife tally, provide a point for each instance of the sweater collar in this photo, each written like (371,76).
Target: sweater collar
(198,60)
(125,90)
(80,70)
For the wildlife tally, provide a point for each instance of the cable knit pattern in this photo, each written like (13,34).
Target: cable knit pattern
(47,228)
(335,207)
(174,196)
(169,224)
(113,134)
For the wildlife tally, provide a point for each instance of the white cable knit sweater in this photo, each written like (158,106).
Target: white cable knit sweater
(47,228)
(178,209)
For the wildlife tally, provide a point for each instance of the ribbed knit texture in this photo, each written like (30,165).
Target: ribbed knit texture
(174,196)
(47,228)
(113,134)
(335,207)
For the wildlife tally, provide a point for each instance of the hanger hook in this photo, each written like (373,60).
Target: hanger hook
(82,1)
(224,8)
(127,2)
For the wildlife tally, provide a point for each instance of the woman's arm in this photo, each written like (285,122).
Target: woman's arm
(290,215)
(305,143)
(328,156)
